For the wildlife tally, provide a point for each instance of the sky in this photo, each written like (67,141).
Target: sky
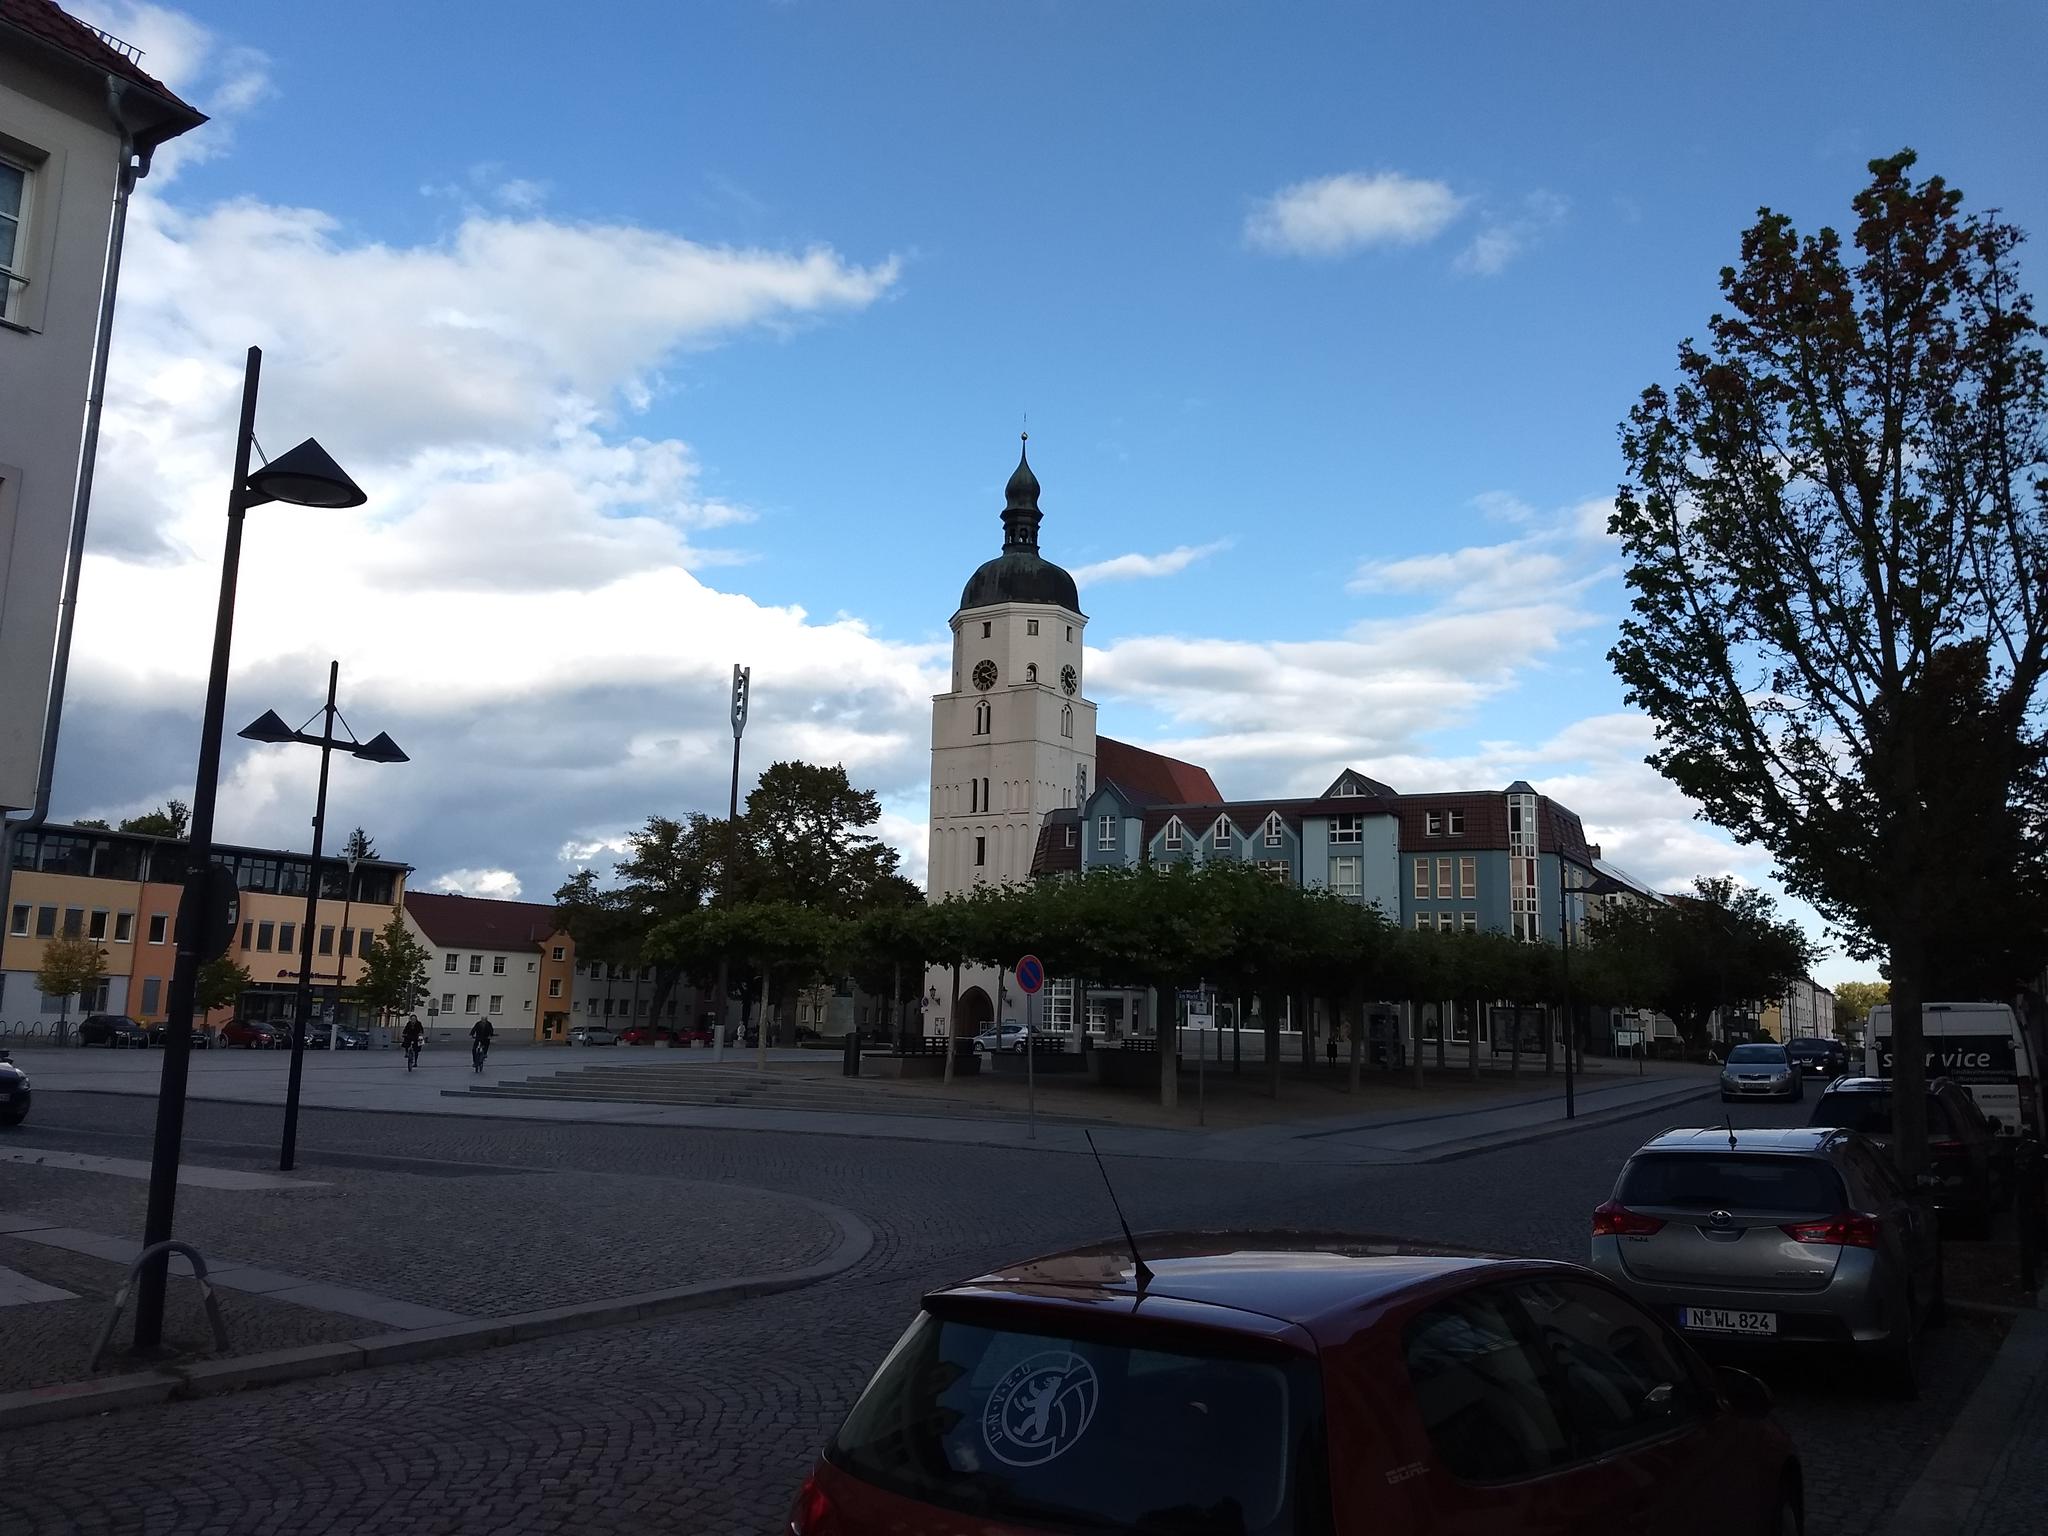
(665,337)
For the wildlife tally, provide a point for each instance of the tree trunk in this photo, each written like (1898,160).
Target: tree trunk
(767,1017)
(1549,1043)
(1169,1048)
(1269,1017)
(1909,1056)
(1414,1041)
(895,1006)
(1357,1046)
(1514,1042)
(1472,1041)
(952,1030)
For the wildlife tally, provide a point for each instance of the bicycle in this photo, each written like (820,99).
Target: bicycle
(412,1055)
(477,1053)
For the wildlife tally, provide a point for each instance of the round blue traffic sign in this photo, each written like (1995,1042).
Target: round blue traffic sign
(1030,974)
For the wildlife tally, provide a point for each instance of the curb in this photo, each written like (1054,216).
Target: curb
(207,1378)
(1549,1129)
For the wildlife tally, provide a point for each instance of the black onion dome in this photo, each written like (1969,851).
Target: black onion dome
(1020,574)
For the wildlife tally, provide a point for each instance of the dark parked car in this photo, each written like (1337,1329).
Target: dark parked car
(14,1094)
(110,1029)
(1252,1389)
(1818,1058)
(1776,1239)
(202,1040)
(1969,1165)
(252,1036)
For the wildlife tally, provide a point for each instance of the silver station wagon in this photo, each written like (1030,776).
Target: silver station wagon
(1803,1237)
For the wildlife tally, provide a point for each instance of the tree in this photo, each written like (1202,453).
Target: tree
(891,938)
(220,984)
(1853,1002)
(97,823)
(359,846)
(1835,529)
(1693,956)
(805,829)
(168,820)
(394,978)
(670,868)
(71,965)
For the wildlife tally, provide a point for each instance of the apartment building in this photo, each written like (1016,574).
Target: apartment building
(506,961)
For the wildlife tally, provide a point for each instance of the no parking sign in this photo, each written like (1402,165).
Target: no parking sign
(1030,974)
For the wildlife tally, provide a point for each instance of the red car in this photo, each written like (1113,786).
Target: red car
(644,1034)
(1328,1389)
(252,1036)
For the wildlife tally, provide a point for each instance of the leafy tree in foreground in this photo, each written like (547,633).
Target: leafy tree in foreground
(394,976)
(70,966)
(220,984)
(1834,523)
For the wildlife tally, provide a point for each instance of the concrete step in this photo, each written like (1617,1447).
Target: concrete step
(921,1109)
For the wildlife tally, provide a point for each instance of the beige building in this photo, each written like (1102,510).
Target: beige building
(79,120)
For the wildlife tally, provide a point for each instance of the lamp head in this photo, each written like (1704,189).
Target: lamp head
(305,476)
(267,727)
(380,748)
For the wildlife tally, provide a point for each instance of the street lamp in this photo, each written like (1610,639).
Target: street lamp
(304,477)
(269,728)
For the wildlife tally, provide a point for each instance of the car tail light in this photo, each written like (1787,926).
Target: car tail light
(1944,1144)
(813,1514)
(1616,1220)
(1851,1229)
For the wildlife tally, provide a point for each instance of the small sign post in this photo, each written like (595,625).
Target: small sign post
(1030,973)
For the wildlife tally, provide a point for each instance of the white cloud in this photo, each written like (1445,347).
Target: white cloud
(1336,215)
(1130,567)
(1502,238)
(1504,507)
(501,884)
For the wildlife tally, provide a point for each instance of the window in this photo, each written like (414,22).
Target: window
(369,942)
(1030,671)
(74,922)
(288,938)
(19,927)
(640,1007)
(447,1002)
(469,1003)
(1070,836)
(1468,878)
(327,938)
(1346,876)
(497,965)
(1173,835)
(1031,626)
(607,1007)
(497,1003)
(1446,921)
(1424,922)
(159,926)
(1220,833)
(1277,870)
(449,963)
(1105,832)
(982,716)
(1481,1391)
(1070,632)
(1433,823)
(532,966)
(554,986)
(46,922)
(980,852)
(348,942)
(152,993)
(1617,1380)
(987,628)
(14,196)
(1443,879)
(1066,719)
(558,952)
(1347,829)
(1422,879)
(124,928)
(973,797)
(97,927)
(1274,836)
(1469,921)
(1454,823)
(265,932)
(476,965)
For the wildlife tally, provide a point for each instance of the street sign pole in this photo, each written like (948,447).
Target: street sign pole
(1030,973)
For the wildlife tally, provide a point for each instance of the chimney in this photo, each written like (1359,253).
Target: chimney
(1593,849)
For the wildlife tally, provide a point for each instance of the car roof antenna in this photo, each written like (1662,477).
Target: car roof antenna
(1727,1126)
(1138,1264)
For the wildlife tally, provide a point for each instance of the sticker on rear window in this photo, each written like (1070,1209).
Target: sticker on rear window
(1041,1408)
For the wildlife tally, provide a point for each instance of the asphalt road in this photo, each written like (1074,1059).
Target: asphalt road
(704,1423)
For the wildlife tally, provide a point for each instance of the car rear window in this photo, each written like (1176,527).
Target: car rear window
(1871,1113)
(1087,1435)
(1731,1182)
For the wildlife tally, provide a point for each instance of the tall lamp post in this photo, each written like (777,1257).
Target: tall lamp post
(1564,935)
(305,476)
(742,685)
(380,748)
(341,957)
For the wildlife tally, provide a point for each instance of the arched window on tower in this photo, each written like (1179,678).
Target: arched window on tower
(981,718)
(1066,719)
(1030,671)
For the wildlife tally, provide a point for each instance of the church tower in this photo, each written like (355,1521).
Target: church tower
(1014,736)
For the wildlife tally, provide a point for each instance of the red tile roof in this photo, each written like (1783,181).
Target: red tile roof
(46,22)
(1153,775)
(477,922)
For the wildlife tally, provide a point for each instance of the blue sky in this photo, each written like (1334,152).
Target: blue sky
(1342,304)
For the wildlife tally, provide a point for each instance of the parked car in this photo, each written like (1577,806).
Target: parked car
(159,1034)
(14,1094)
(1969,1165)
(1761,1069)
(1246,1389)
(1010,1037)
(348,1038)
(251,1035)
(110,1029)
(1780,1238)
(699,1036)
(1818,1058)
(592,1034)
(645,1034)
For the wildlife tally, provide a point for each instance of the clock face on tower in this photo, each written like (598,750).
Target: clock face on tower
(1069,679)
(984,675)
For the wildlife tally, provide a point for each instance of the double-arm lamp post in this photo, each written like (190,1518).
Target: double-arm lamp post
(306,477)
(269,728)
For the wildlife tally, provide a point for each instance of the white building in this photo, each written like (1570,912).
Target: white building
(488,959)
(79,121)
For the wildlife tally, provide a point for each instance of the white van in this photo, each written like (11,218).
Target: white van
(1980,1045)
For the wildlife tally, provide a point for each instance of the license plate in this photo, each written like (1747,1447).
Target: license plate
(1722,1320)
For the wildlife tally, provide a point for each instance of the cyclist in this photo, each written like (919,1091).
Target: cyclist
(414,1037)
(480,1042)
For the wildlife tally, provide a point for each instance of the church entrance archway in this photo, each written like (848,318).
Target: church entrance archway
(977,1012)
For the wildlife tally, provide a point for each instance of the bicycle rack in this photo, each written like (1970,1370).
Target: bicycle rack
(167,1247)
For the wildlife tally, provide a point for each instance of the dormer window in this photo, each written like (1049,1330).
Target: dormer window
(1346,787)
(1070,837)
(1347,829)
(1433,824)
(1274,836)
(1221,831)
(1173,835)
(1105,832)
(1454,823)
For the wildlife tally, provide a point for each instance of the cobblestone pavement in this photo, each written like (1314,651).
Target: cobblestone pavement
(704,1423)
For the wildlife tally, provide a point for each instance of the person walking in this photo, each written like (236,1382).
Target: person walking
(1330,1045)
(480,1042)
(413,1037)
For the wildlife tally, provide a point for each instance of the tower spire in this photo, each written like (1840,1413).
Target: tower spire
(1021,516)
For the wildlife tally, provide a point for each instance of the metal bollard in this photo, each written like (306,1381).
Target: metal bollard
(2028,1213)
(849,1065)
(167,1247)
